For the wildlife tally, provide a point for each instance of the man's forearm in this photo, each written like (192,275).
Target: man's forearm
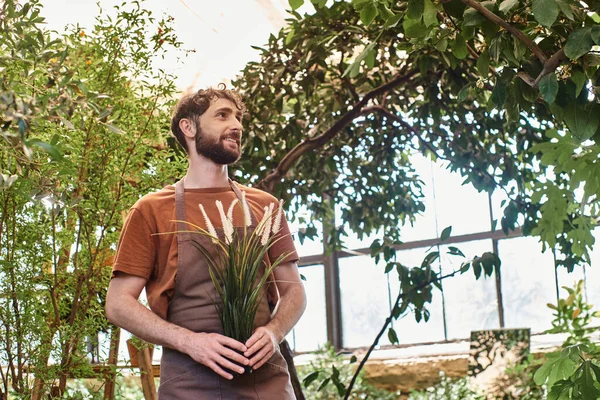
(290,308)
(134,317)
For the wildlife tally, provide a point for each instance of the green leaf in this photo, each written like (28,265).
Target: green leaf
(558,366)
(442,45)
(499,94)
(483,63)
(561,391)
(319,3)
(464,93)
(588,382)
(582,121)
(392,336)
(296,4)
(51,150)
(354,68)
(455,251)
(545,11)
(113,128)
(549,87)
(507,5)
(323,384)
(310,378)
(459,47)
(353,359)
(566,9)
(596,34)
(414,28)
(368,13)
(415,9)
(579,80)
(472,17)
(391,22)
(370,59)
(446,233)
(290,36)
(430,14)
(579,43)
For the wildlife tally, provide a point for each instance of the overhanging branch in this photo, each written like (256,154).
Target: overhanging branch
(307,145)
(499,21)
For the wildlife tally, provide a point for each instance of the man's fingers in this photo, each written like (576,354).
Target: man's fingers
(225,363)
(231,343)
(254,338)
(215,367)
(237,357)
(264,352)
(261,341)
(262,361)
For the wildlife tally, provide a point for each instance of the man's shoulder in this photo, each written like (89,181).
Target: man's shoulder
(156,200)
(257,195)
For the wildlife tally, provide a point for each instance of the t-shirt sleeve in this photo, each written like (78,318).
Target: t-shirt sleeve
(136,251)
(284,244)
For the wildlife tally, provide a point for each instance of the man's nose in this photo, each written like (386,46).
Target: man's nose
(237,125)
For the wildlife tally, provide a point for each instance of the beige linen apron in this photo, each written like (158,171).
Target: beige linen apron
(192,306)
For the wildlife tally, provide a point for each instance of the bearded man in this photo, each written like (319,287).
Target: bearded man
(197,358)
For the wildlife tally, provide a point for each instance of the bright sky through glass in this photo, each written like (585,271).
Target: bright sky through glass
(221,32)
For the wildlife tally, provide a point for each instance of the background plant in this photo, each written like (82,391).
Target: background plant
(447,389)
(92,103)
(327,375)
(573,371)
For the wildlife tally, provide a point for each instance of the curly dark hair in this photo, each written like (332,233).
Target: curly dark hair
(193,105)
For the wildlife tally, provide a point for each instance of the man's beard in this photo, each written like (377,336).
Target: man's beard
(215,151)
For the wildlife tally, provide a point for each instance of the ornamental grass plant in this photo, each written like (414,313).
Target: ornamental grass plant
(238,263)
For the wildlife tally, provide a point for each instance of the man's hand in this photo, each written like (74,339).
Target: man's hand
(217,352)
(261,346)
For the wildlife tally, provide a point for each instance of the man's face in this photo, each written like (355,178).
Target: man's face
(219,132)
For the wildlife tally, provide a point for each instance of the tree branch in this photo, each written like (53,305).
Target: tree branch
(499,21)
(549,66)
(307,145)
(400,297)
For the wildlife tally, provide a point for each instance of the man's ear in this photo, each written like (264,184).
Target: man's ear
(187,127)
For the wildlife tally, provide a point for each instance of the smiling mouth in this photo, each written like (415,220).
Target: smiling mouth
(233,140)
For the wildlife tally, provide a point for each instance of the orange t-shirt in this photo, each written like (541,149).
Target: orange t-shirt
(142,253)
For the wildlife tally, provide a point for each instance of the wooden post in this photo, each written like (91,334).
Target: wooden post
(113,356)
(140,354)
(147,374)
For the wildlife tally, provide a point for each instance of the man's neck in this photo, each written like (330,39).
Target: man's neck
(204,173)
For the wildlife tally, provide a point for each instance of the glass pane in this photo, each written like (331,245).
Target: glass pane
(458,205)
(528,283)
(309,247)
(365,300)
(568,279)
(310,332)
(407,328)
(424,225)
(471,304)
(592,274)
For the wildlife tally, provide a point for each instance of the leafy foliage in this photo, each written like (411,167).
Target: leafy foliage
(574,371)
(356,88)
(447,389)
(81,140)
(327,375)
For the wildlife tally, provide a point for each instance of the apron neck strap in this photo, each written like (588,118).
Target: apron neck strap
(180,207)
(180,211)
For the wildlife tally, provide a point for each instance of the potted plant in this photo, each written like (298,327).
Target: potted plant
(236,270)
